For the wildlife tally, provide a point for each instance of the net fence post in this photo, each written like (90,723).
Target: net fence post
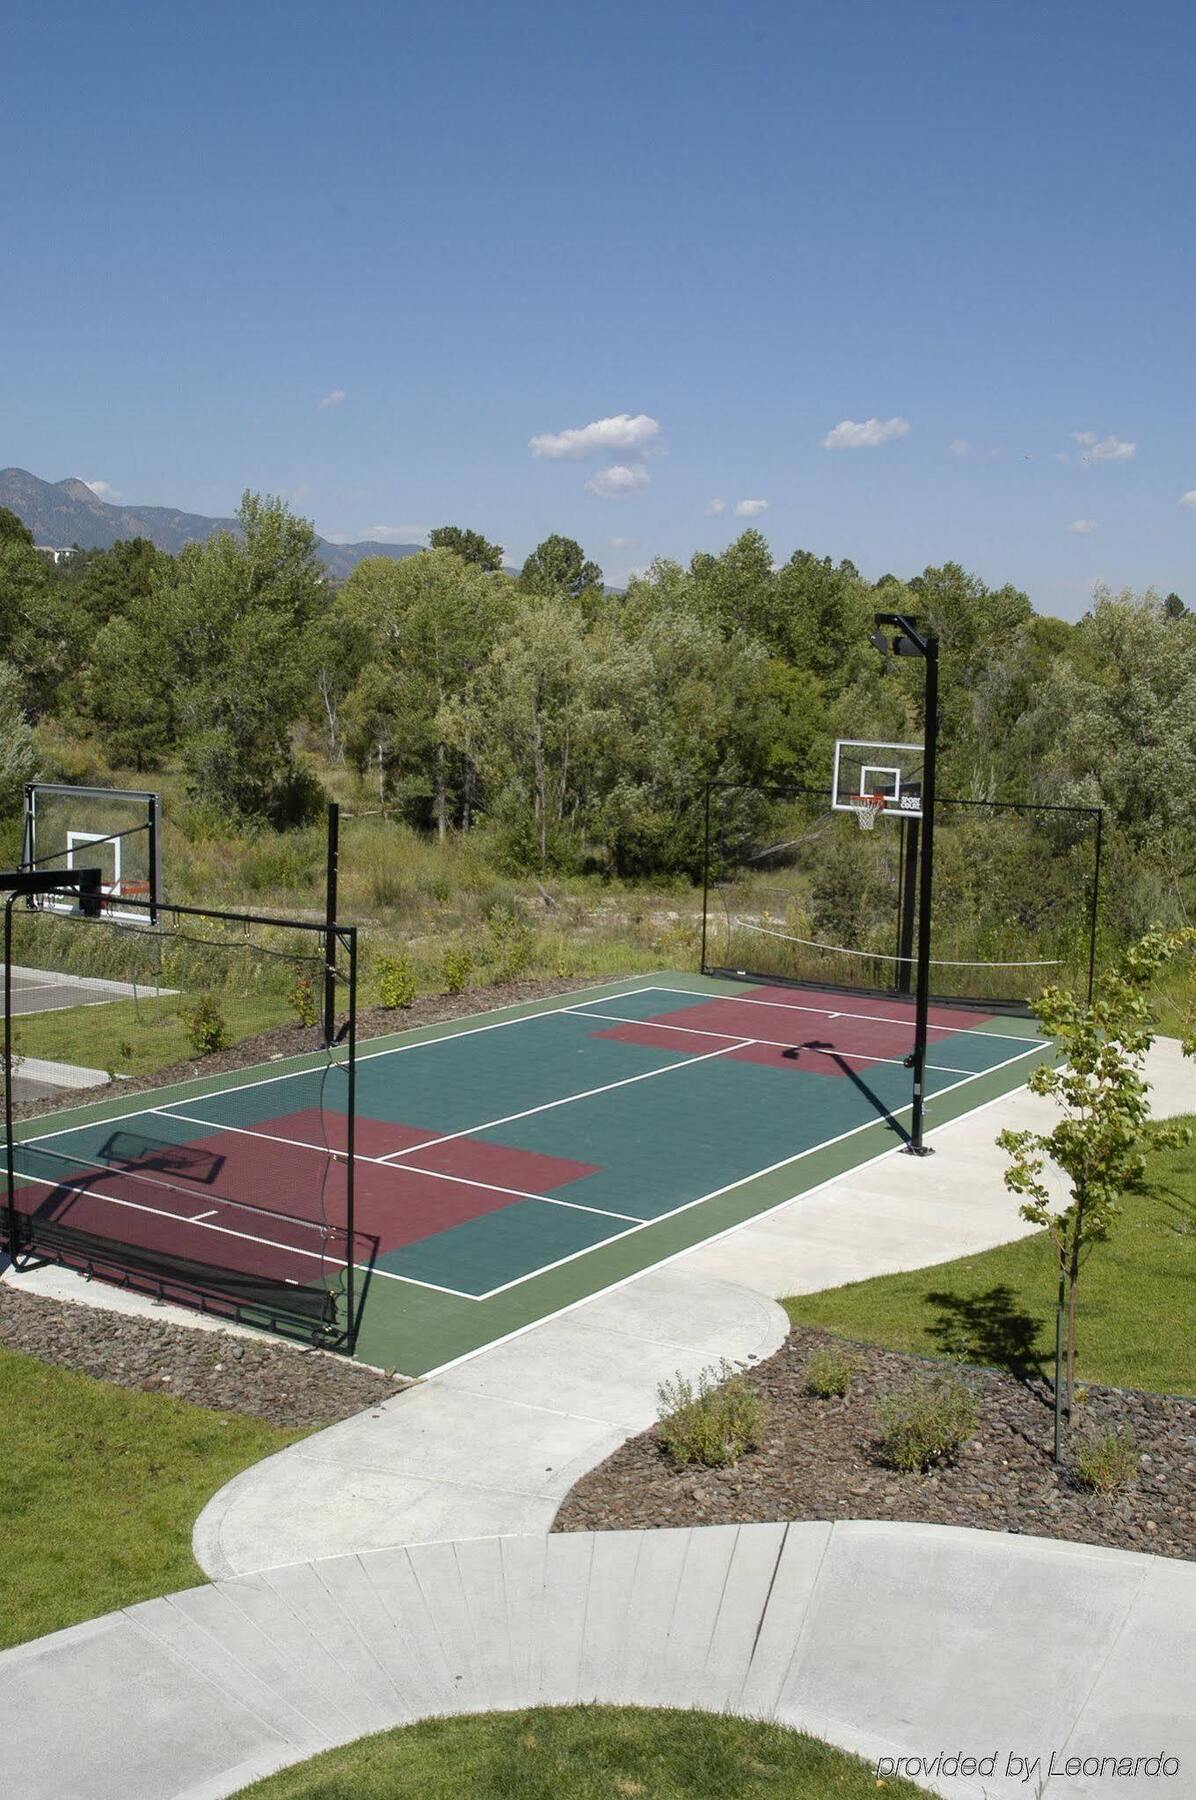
(925,882)
(10,1166)
(350,1136)
(705,874)
(1094,918)
(330,908)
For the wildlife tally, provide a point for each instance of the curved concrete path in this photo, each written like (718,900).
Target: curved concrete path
(494,1443)
(889,1640)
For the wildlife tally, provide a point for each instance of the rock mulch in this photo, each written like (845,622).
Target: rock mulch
(301,1040)
(818,1461)
(281,1383)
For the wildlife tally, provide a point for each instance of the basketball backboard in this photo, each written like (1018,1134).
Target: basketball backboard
(114,830)
(888,773)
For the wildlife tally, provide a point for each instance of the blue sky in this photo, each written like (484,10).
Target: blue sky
(362,254)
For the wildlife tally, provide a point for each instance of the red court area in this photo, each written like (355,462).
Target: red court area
(825,1034)
(258,1201)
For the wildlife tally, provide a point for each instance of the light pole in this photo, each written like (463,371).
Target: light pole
(910,640)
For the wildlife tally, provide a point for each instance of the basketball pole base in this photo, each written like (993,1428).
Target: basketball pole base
(917,1150)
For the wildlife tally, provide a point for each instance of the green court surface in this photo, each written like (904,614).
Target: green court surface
(510,1164)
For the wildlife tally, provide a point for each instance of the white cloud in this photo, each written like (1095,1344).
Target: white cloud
(959,447)
(1081,527)
(618,480)
(599,438)
(847,435)
(714,507)
(750,509)
(395,534)
(623,543)
(334,398)
(1110,449)
(1188,499)
(103,490)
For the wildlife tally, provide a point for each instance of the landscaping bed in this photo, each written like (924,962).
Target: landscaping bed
(282,1384)
(817,1459)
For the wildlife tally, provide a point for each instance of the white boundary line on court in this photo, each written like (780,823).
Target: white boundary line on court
(845,1012)
(754,1175)
(698,995)
(897,1062)
(716,1237)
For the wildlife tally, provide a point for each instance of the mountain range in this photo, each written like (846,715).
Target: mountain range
(63,513)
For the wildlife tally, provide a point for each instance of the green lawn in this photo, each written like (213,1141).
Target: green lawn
(138,1037)
(583,1753)
(1136,1309)
(99,1489)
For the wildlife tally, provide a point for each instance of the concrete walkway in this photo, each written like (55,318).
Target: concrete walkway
(494,1443)
(889,1640)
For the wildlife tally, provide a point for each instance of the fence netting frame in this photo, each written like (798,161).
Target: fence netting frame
(323,1311)
(736,818)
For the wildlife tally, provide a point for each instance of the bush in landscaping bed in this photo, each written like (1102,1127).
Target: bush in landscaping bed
(828,1374)
(926,1421)
(713,1424)
(396,981)
(1105,1461)
(206,1026)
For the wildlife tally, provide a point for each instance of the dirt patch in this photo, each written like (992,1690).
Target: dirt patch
(301,1040)
(280,1383)
(818,1461)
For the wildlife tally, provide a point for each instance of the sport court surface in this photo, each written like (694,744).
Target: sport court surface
(513,1163)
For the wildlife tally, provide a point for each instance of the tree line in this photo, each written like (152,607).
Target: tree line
(578,724)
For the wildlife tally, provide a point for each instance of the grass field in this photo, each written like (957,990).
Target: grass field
(583,1753)
(99,1488)
(1137,1297)
(137,1037)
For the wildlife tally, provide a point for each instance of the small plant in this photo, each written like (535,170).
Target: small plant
(1105,1461)
(396,981)
(206,1026)
(712,1424)
(926,1422)
(512,942)
(828,1374)
(301,998)
(457,968)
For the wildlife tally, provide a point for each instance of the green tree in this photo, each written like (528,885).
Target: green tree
(1173,607)
(430,621)
(1099,1143)
(18,755)
(470,546)
(41,633)
(12,529)
(559,566)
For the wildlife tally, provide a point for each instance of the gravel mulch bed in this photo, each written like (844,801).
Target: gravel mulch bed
(301,1040)
(818,1461)
(281,1383)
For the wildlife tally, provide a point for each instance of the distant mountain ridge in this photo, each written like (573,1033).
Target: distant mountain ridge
(67,512)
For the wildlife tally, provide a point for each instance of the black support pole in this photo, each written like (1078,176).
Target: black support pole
(705,875)
(1094,918)
(908,905)
(916,1146)
(334,830)
(10,1203)
(350,938)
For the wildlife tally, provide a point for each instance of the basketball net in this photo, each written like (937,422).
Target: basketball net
(867,809)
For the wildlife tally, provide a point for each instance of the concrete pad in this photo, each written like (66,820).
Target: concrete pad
(567,1560)
(949,1634)
(677,1305)
(784,1619)
(523,1565)
(359,1600)
(430,1678)
(605,1628)
(105,1712)
(315,1607)
(659,1573)
(61,1075)
(742,1604)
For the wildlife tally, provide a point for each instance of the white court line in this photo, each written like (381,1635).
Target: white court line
(380,1162)
(898,1062)
(827,1012)
(198,1218)
(263,1081)
(744,1180)
(704,1243)
(607,1087)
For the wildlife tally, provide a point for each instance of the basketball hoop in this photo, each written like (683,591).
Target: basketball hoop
(867,809)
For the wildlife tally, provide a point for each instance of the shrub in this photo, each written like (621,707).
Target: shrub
(926,1421)
(512,942)
(301,998)
(457,968)
(713,1424)
(206,1026)
(396,981)
(1105,1461)
(828,1374)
